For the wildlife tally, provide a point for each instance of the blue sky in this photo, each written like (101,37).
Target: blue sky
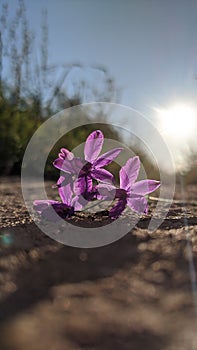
(148,46)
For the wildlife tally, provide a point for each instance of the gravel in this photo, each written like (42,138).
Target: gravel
(133,294)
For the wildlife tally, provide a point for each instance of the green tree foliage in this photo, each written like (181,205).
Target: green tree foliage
(31,91)
(16,127)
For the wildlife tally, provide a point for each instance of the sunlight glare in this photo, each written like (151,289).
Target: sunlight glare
(178,121)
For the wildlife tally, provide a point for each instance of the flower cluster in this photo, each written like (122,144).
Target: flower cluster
(85,179)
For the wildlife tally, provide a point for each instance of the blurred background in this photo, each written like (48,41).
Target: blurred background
(58,54)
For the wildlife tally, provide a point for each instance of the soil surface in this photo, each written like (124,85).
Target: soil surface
(133,294)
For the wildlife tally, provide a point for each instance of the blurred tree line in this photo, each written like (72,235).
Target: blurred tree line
(31,90)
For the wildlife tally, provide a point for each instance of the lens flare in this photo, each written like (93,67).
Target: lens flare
(6,239)
(178,122)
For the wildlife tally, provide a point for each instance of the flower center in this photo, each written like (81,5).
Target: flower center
(86,168)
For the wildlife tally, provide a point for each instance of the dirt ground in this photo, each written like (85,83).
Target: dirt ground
(133,294)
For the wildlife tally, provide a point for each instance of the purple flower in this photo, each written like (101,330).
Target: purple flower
(88,169)
(69,164)
(47,207)
(85,179)
(64,209)
(130,193)
(67,196)
(93,169)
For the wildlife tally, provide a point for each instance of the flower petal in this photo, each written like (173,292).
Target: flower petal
(93,146)
(102,175)
(65,154)
(83,185)
(77,164)
(121,193)
(41,204)
(138,204)
(64,165)
(106,192)
(79,202)
(66,194)
(129,173)
(92,194)
(53,210)
(107,157)
(72,166)
(64,180)
(145,186)
(117,209)
(62,210)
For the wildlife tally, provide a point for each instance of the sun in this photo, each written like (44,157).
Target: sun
(178,122)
